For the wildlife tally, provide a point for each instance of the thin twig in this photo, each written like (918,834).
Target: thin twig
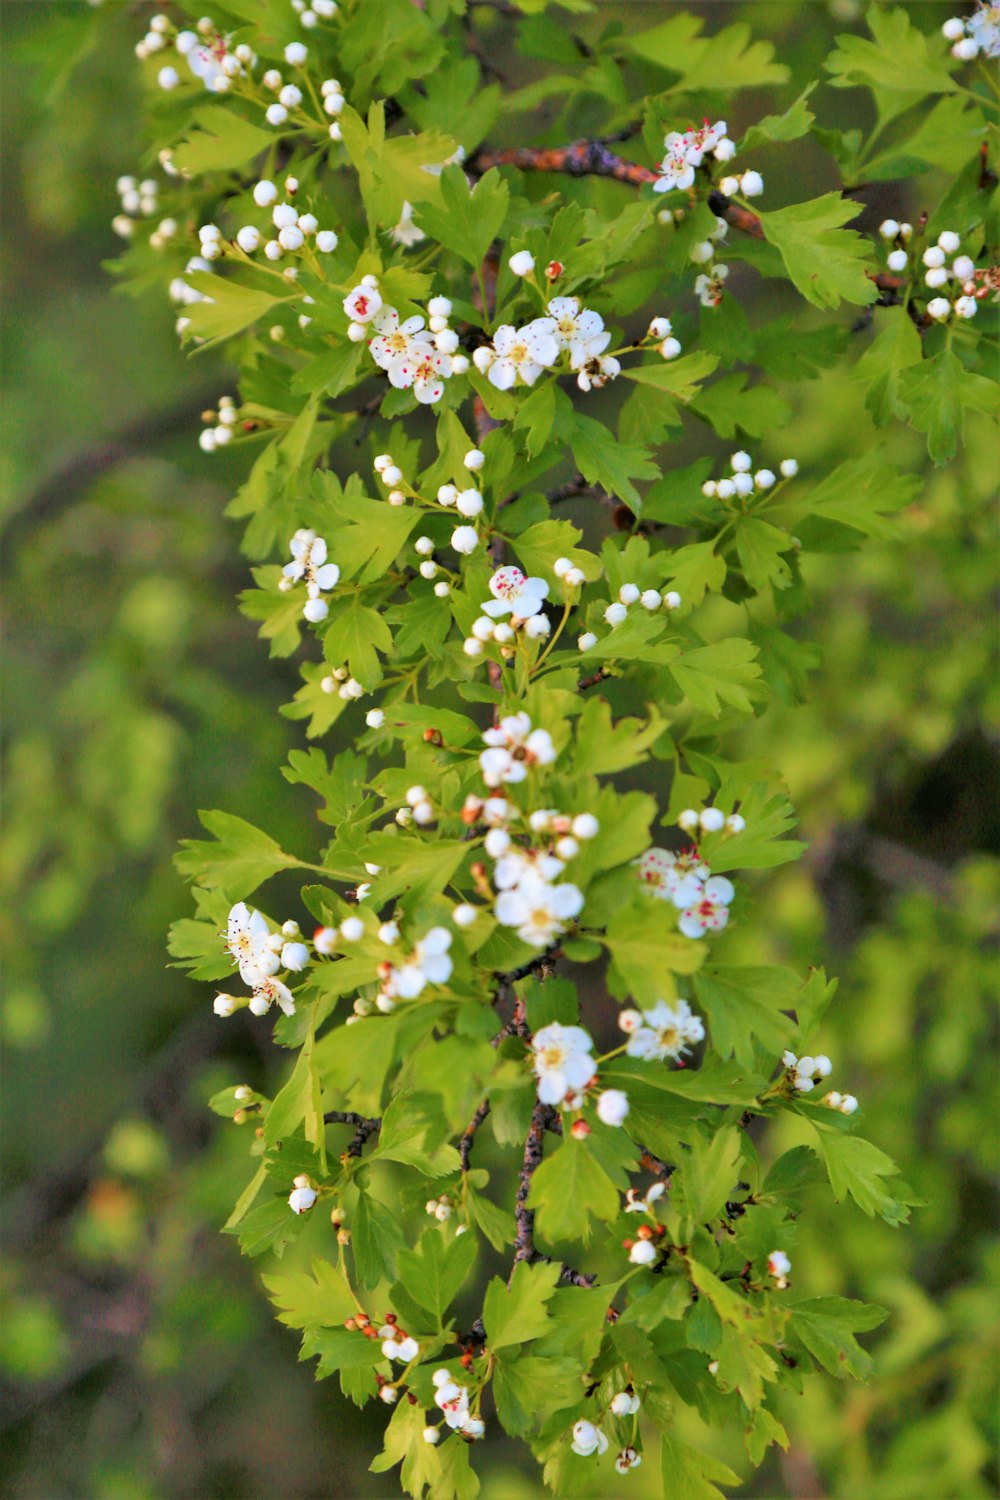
(524,1241)
(364,1127)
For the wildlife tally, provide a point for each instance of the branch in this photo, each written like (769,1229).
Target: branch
(585,158)
(469,1133)
(364,1127)
(524,1242)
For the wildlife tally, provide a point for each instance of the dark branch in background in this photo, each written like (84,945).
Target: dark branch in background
(654,1164)
(524,1240)
(586,158)
(469,1134)
(593,679)
(363,1127)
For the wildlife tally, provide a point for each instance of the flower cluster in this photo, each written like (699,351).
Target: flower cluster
(515,595)
(293,230)
(742,483)
(975,34)
(630,593)
(512,747)
(218,429)
(661,1033)
(518,355)
(309,564)
(710,283)
(209,54)
(140,200)
(685,152)
(341,682)
(703,899)
(414,356)
(803,1073)
(453,1400)
(710,820)
(429,963)
(936,270)
(439,1208)
(260,955)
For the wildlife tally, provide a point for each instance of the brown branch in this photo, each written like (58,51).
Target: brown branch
(469,1133)
(364,1127)
(585,158)
(524,1241)
(593,679)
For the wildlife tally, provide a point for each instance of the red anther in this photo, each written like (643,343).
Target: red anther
(645,1232)
(390,1317)
(554,270)
(579,1130)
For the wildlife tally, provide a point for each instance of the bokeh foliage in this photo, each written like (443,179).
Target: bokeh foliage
(140,1358)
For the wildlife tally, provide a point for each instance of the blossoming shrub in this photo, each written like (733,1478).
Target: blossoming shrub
(400,283)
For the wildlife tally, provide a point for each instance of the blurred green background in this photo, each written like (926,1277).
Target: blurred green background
(138,1359)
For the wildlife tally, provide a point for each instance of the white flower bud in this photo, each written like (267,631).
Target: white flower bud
(308,223)
(689,820)
(629,593)
(315,610)
(897,260)
(503,633)
(439,307)
(629,1021)
(615,614)
(352,929)
(464,915)
(659,328)
(301,1199)
(586,641)
(735,823)
(642,1253)
(273,250)
(391,475)
(465,539)
(442,589)
(964,267)
(168,78)
(496,842)
(375,718)
(743,484)
(388,1394)
(752,184)
(585,826)
(848,1105)
(474,459)
(939,308)
(469,503)
(763,479)
(933,256)
(326,241)
(966,307)
(446,342)
(291,238)
(459,364)
(429,568)
(472,647)
(789,468)
(296,54)
(712,820)
(276,114)
(294,956)
(741,462)
(535,628)
(522,263)
(670,348)
(725,150)
(954,29)
(612,1106)
(225,1005)
(431,1435)
(888,229)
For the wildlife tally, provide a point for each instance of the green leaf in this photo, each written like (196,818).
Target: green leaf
(678,377)
(760,547)
(747,1002)
(896,347)
(712,1083)
(409,863)
(730,408)
(613,465)
(760,846)
(239,860)
(516,1313)
(861,493)
(796,122)
(902,59)
(226,307)
(433,1272)
(859,1170)
(469,218)
(708,1174)
(693,570)
(568,1191)
(355,636)
(391,169)
(317,1299)
(691,1475)
(826,262)
(376,1238)
(710,676)
(937,392)
(647,951)
(219,140)
(827,1325)
(526,1390)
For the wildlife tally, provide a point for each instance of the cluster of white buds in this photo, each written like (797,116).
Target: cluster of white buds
(418,809)
(439,1208)
(687,150)
(528,898)
(938,274)
(662,1032)
(208,53)
(898,235)
(844,1104)
(140,200)
(288,103)
(341,682)
(429,963)
(293,230)
(709,284)
(260,955)
(710,820)
(975,34)
(685,880)
(780,1267)
(219,425)
(391,476)
(750,184)
(562,1064)
(309,554)
(806,1072)
(512,748)
(397,1344)
(453,1400)
(315,11)
(332,95)
(742,483)
(661,332)
(630,593)
(303,1195)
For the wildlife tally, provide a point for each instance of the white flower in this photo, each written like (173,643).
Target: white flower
(228,1005)
(897,260)
(362,303)
(537,910)
(271,992)
(513,746)
(597,371)
(428,964)
(302,1197)
(573,327)
(679,878)
(642,1253)
(636,1204)
(665,1032)
(676,172)
(562,1061)
(779,1266)
(612,1106)
(709,287)
(406,233)
(588,1439)
(625,1404)
(514,594)
(309,554)
(752,184)
(247,940)
(711,912)
(523,353)
(626,1460)
(392,340)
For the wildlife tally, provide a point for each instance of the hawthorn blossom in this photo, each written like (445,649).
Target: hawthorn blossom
(679,878)
(537,910)
(665,1032)
(562,1061)
(513,746)
(522,354)
(248,940)
(453,1400)
(303,1195)
(806,1072)
(685,151)
(612,1107)
(588,1439)
(406,233)
(309,554)
(625,1404)
(270,992)
(583,335)
(710,912)
(709,287)
(429,963)
(363,302)
(636,1204)
(975,34)
(780,1268)
(627,1459)
(515,595)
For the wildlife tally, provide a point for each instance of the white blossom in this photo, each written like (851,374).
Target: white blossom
(514,594)
(522,354)
(309,562)
(612,1106)
(539,911)
(513,746)
(588,1439)
(247,938)
(665,1032)
(562,1061)
(710,912)
(303,1196)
